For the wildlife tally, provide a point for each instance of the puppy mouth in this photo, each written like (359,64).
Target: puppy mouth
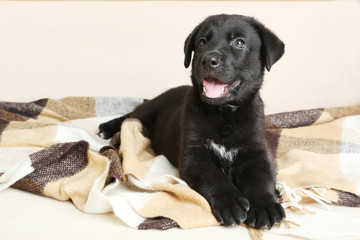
(214,88)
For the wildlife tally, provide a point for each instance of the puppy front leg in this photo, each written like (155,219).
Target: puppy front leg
(254,176)
(228,205)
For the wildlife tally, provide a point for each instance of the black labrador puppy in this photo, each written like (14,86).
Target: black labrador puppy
(213,131)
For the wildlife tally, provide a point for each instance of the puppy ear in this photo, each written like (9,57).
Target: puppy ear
(272,47)
(189,46)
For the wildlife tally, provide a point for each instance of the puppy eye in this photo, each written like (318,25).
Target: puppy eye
(239,43)
(202,41)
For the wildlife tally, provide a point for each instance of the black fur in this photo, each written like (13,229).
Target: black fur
(183,122)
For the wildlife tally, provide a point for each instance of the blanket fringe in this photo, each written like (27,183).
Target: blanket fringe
(255,234)
(295,195)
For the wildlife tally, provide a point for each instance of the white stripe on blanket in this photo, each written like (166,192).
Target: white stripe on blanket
(349,162)
(125,200)
(15,163)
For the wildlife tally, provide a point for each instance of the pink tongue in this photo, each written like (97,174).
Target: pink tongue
(214,88)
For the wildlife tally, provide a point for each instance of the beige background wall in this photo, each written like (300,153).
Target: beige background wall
(58,49)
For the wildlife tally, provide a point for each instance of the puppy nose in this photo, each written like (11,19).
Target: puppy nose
(210,60)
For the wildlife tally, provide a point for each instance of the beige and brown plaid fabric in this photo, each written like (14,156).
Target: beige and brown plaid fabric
(50,147)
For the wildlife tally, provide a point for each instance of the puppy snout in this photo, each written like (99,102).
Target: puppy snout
(211,60)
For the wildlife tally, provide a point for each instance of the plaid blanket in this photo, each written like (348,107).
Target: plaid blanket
(50,147)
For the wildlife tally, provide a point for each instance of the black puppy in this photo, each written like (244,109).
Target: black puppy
(214,131)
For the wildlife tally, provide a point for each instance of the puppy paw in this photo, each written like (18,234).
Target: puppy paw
(105,131)
(229,209)
(265,214)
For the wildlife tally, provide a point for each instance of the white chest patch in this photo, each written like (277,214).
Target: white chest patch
(226,156)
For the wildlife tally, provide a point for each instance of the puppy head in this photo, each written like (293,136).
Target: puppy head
(230,55)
